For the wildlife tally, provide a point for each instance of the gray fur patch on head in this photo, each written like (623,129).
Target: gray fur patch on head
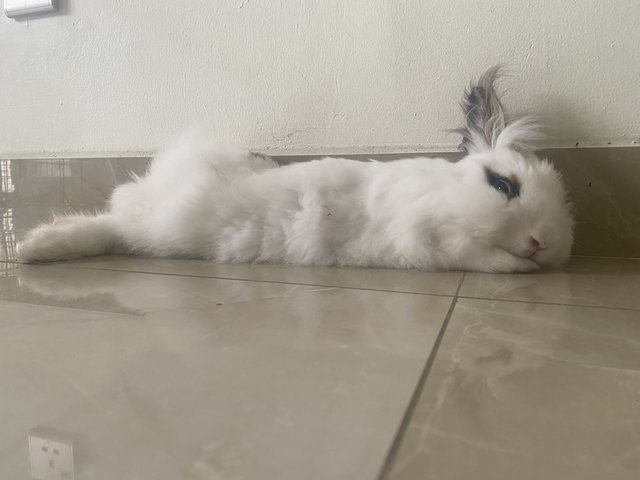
(486,126)
(484,115)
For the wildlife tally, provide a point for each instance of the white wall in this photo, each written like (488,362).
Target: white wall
(124,75)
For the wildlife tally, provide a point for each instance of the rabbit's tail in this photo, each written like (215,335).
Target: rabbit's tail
(70,237)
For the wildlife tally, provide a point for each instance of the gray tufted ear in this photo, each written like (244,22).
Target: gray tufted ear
(484,115)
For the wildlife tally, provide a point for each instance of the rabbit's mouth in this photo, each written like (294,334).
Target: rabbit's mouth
(527,252)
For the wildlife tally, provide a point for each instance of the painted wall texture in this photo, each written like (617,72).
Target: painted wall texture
(304,75)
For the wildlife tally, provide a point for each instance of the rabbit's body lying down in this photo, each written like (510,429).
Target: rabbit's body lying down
(497,209)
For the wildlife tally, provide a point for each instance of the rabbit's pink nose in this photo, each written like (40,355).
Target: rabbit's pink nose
(537,243)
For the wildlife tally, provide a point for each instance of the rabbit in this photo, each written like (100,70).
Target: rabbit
(498,209)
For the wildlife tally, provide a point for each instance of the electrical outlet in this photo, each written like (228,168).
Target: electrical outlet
(51,453)
(20,8)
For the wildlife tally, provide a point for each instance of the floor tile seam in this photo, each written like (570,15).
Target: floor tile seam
(322,285)
(553,304)
(417,393)
(470,297)
(143,313)
(149,313)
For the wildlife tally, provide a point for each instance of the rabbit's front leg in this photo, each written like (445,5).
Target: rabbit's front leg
(497,260)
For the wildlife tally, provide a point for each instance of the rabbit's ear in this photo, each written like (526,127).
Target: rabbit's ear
(484,115)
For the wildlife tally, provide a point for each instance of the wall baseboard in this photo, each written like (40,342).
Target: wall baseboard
(313,151)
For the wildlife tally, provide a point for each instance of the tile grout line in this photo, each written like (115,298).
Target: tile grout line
(417,393)
(552,304)
(405,292)
(279,282)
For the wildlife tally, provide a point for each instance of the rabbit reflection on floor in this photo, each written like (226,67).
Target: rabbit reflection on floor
(309,314)
(498,209)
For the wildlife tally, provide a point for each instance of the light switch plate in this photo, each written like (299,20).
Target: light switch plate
(20,8)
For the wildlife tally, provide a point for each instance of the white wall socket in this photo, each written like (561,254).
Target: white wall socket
(51,454)
(19,8)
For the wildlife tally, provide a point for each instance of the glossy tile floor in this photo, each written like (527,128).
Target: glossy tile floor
(135,369)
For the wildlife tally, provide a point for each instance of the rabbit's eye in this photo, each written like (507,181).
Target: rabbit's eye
(510,188)
(503,186)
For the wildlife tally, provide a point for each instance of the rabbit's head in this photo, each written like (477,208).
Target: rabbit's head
(520,201)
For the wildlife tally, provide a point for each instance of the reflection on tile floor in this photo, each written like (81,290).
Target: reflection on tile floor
(528,391)
(606,282)
(134,368)
(166,377)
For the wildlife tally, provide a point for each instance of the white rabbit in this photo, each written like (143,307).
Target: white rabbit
(499,209)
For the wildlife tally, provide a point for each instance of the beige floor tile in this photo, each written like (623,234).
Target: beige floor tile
(528,391)
(411,281)
(276,382)
(131,293)
(605,282)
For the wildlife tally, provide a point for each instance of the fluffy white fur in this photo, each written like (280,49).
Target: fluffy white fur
(231,205)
